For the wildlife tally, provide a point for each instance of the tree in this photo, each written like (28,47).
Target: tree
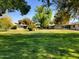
(5,23)
(71,6)
(12,5)
(43,15)
(47,3)
(61,17)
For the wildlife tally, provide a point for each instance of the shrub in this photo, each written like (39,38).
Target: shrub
(29,23)
(32,27)
(5,23)
(14,27)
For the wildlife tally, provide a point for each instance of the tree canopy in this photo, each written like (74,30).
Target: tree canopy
(71,6)
(61,17)
(12,5)
(43,15)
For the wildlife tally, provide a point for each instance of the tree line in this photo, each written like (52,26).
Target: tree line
(66,9)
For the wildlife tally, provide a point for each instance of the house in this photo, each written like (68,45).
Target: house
(23,26)
(73,26)
(37,25)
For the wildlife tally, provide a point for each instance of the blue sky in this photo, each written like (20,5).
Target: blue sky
(17,16)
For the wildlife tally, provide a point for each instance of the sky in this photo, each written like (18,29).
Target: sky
(17,16)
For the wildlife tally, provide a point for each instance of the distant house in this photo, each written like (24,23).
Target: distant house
(38,25)
(23,26)
(51,26)
(74,26)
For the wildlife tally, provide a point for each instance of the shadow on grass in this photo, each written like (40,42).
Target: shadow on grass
(39,46)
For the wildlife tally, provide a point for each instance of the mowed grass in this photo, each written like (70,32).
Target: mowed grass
(40,44)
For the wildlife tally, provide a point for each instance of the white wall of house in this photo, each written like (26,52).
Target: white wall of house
(77,27)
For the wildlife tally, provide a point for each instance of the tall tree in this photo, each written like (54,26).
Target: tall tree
(12,5)
(43,15)
(46,2)
(71,6)
(61,17)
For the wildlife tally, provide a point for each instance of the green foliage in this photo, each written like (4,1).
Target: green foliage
(14,27)
(47,3)
(71,6)
(5,22)
(32,26)
(61,17)
(26,21)
(43,15)
(12,5)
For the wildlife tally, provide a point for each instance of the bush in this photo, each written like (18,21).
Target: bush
(29,23)
(5,23)
(14,27)
(2,30)
(31,27)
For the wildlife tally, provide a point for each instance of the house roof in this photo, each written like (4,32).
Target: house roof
(77,23)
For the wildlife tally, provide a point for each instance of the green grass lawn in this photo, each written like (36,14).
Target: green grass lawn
(40,44)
